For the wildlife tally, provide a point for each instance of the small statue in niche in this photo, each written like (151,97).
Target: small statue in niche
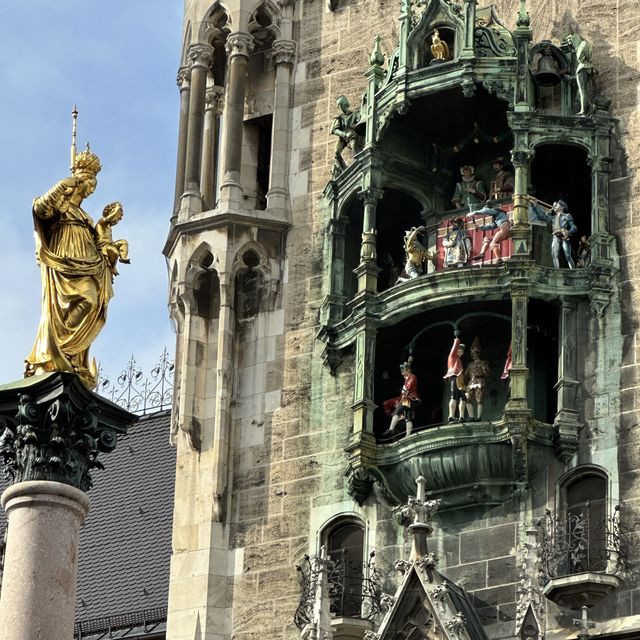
(476,374)
(584,70)
(455,376)
(502,183)
(457,244)
(468,191)
(439,48)
(416,255)
(584,253)
(344,126)
(500,221)
(402,407)
(562,228)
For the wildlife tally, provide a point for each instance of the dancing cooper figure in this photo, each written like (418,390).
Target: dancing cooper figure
(76,274)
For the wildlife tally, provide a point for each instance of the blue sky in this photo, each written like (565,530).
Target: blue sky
(117,61)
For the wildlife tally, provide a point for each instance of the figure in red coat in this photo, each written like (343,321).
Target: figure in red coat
(455,375)
(402,406)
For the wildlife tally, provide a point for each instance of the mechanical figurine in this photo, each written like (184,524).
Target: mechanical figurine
(500,221)
(468,191)
(562,228)
(476,374)
(402,406)
(439,48)
(416,255)
(455,376)
(457,244)
(502,183)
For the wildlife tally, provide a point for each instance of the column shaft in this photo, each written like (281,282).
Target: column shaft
(567,385)
(209,171)
(239,45)
(363,406)
(185,92)
(283,56)
(367,271)
(519,369)
(38,597)
(200,56)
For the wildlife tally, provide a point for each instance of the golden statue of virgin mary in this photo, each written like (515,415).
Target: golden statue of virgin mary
(76,274)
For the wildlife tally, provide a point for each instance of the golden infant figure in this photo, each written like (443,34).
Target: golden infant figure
(113,250)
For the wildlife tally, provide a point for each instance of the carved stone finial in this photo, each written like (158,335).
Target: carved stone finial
(456,624)
(523,19)
(530,609)
(376,59)
(584,624)
(420,529)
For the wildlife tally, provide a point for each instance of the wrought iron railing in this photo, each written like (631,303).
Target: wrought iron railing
(582,539)
(137,392)
(354,588)
(146,621)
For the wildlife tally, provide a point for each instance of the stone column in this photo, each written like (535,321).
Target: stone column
(524,94)
(200,57)
(183,80)
(367,271)
(566,421)
(363,405)
(54,430)
(38,596)
(602,243)
(239,45)
(213,110)
(519,369)
(521,232)
(283,54)
(333,305)
(468,50)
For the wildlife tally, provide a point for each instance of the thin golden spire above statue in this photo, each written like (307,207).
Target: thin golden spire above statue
(74,127)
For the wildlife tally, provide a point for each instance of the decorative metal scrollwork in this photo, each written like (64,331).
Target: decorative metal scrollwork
(355,589)
(139,393)
(578,541)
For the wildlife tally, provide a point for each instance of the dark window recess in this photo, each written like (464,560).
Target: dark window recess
(264,159)
(207,295)
(261,136)
(587,520)
(249,287)
(346,549)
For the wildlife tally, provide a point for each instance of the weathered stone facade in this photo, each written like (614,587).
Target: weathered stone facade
(270,451)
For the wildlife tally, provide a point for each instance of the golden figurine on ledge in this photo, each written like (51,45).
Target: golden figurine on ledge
(77,262)
(439,48)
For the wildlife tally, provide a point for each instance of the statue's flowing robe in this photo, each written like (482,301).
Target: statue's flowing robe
(76,288)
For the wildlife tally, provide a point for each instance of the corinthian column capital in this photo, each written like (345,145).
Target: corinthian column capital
(214,99)
(283,52)
(239,43)
(200,55)
(183,78)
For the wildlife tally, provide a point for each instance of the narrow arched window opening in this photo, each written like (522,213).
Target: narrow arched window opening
(345,546)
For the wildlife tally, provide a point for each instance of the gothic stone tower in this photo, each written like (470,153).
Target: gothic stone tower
(295,303)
